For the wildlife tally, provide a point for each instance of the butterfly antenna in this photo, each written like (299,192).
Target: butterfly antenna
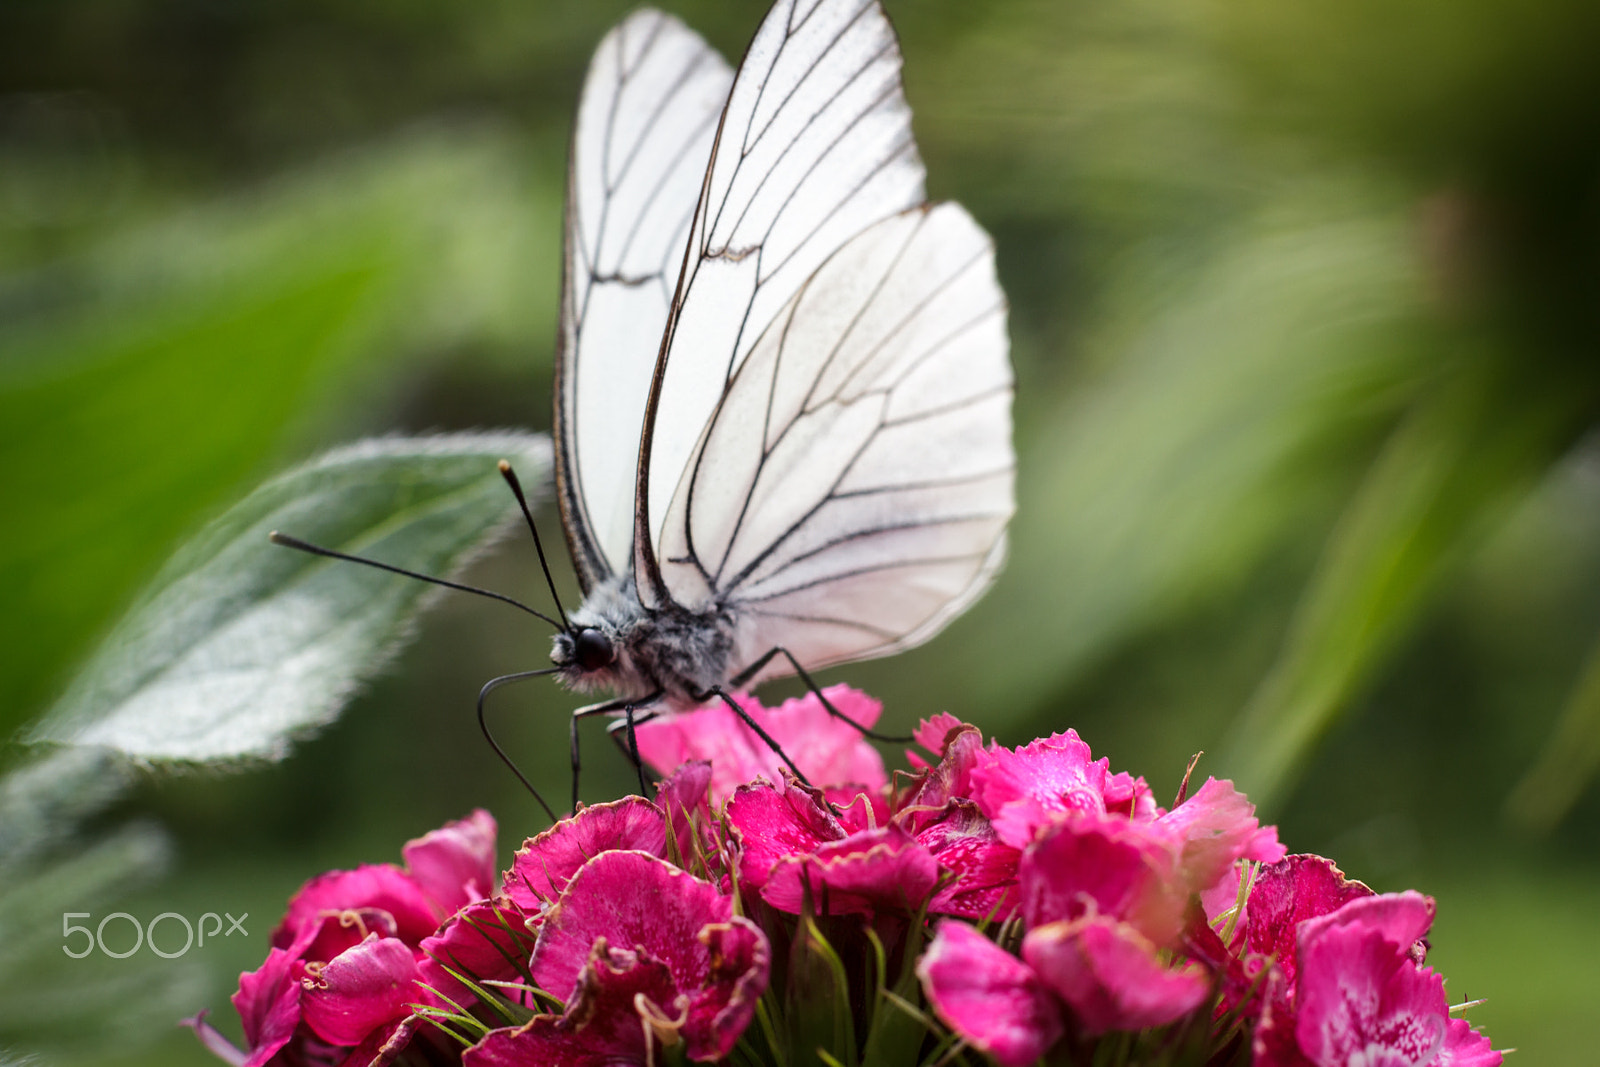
(538,546)
(317,550)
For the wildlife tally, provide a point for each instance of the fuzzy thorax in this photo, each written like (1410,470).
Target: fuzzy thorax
(679,652)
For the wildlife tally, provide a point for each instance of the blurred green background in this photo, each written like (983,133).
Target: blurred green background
(1305,312)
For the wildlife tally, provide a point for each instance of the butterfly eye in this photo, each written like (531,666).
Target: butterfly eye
(593,649)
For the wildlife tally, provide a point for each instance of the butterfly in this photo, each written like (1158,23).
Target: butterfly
(783,394)
(782,388)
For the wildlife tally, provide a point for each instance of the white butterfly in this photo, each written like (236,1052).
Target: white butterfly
(783,397)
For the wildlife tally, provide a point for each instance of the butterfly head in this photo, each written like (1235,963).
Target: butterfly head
(583,652)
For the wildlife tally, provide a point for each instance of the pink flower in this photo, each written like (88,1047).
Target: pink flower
(1099,972)
(645,957)
(342,973)
(1103,865)
(1353,988)
(965,844)
(988,996)
(1023,789)
(793,846)
(1111,975)
(828,752)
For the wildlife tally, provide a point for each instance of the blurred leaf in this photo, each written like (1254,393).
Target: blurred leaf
(1569,761)
(240,645)
(49,866)
(143,381)
(1163,481)
(1473,443)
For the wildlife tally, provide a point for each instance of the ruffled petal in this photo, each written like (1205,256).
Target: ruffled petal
(543,865)
(359,990)
(1110,975)
(1357,999)
(635,902)
(607,1021)
(359,895)
(454,865)
(1217,827)
(827,750)
(883,870)
(1104,864)
(1466,1047)
(1287,893)
(988,996)
(772,823)
(964,843)
(1020,790)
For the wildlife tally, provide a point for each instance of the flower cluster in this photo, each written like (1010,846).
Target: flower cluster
(1008,904)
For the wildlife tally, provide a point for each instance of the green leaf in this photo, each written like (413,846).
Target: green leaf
(150,379)
(1470,447)
(1569,760)
(239,645)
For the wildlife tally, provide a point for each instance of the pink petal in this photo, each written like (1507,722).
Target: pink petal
(543,865)
(1020,790)
(485,940)
(454,865)
(1273,1043)
(988,996)
(1359,1000)
(1287,893)
(1130,797)
(636,902)
(602,1025)
(827,751)
(1110,975)
(740,964)
(1402,919)
(951,778)
(359,896)
(684,795)
(866,873)
(772,823)
(934,732)
(963,842)
(268,1000)
(1107,864)
(1466,1047)
(360,989)
(213,1040)
(1217,826)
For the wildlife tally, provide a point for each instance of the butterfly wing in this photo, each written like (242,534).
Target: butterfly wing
(813,148)
(850,495)
(643,134)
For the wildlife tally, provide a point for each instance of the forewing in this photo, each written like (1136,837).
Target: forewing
(851,494)
(814,147)
(643,134)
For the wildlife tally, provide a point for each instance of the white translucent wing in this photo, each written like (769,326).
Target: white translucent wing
(851,494)
(643,135)
(814,147)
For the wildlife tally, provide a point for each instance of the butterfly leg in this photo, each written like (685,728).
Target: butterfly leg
(744,716)
(755,669)
(625,727)
(605,707)
(483,724)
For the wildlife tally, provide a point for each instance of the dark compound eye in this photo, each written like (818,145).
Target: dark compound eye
(593,649)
